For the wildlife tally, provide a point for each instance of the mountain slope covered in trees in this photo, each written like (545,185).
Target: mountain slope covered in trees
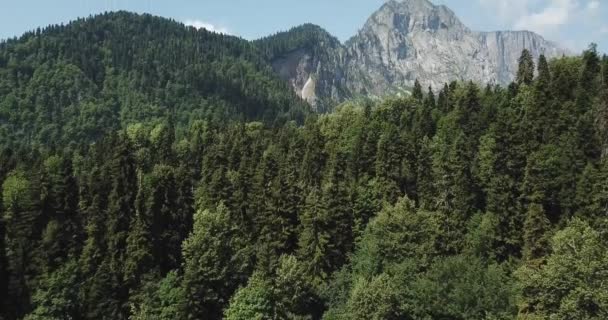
(140,178)
(77,82)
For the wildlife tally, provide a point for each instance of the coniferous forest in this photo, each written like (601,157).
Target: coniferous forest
(154,171)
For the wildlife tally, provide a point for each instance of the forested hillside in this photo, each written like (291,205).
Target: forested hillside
(152,171)
(77,82)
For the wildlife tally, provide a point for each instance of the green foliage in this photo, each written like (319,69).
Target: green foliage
(396,234)
(462,287)
(287,294)
(127,68)
(572,282)
(160,300)
(535,233)
(375,299)
(215,263)
(252,302)
(57,294)
(525,73)
(155,171)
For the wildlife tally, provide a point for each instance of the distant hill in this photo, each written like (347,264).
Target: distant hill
(76,82)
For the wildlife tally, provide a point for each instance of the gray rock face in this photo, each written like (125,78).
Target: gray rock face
(404,41)
(317,78)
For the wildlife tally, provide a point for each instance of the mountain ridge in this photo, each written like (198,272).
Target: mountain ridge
(404,41)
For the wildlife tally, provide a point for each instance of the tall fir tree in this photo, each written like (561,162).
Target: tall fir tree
(417,93)
(525,72)
(536,229)
(216,263)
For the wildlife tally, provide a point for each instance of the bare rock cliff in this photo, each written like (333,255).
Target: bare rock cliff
(401,42)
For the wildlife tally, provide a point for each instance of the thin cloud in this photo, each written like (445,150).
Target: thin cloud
(593,5)
(198,24)
(557,14)
(558,20)
(507,10)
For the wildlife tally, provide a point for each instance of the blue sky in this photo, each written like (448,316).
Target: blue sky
(573,23)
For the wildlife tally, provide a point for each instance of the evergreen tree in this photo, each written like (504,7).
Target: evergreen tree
(119,217)
(22,221)
(543,80)
(443,99)
(57,295)
(525,73)
(163,300)
(424,177)
(254,301)
(315,237)
(578,258)
(337,202)
(536,228)
(215,263)
(388,164)
(314,156)
(417,93)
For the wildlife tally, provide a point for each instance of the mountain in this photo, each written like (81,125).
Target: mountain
(150,170)
(401,42)
(311,60)
(77,82)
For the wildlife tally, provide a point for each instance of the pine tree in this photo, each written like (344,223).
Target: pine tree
(336,199)
(388,163)
(166,217)
(314,156)
(315,237)
(543,80)
(454,185)
(119,217)
(139,259)
(22,220)
(424,177)
(4,297)
(215,263)
(525,73)
(469,114)
(275,226)
(536,227)
(425,124)
(214,185)
(62,236)
(254,301)
(417,93)
(443,99)
(366,202)
(601,121)
(540,111)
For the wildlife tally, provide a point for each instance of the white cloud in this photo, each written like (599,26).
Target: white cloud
(507,10)
(593,5)
(549,18)
(198,24)
(573,23)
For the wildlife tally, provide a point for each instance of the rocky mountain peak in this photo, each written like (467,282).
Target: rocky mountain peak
(404,41)
(408,16)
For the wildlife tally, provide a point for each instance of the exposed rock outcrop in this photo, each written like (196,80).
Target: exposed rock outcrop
(401,42)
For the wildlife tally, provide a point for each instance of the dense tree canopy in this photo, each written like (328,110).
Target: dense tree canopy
(77,82)
(160,172)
